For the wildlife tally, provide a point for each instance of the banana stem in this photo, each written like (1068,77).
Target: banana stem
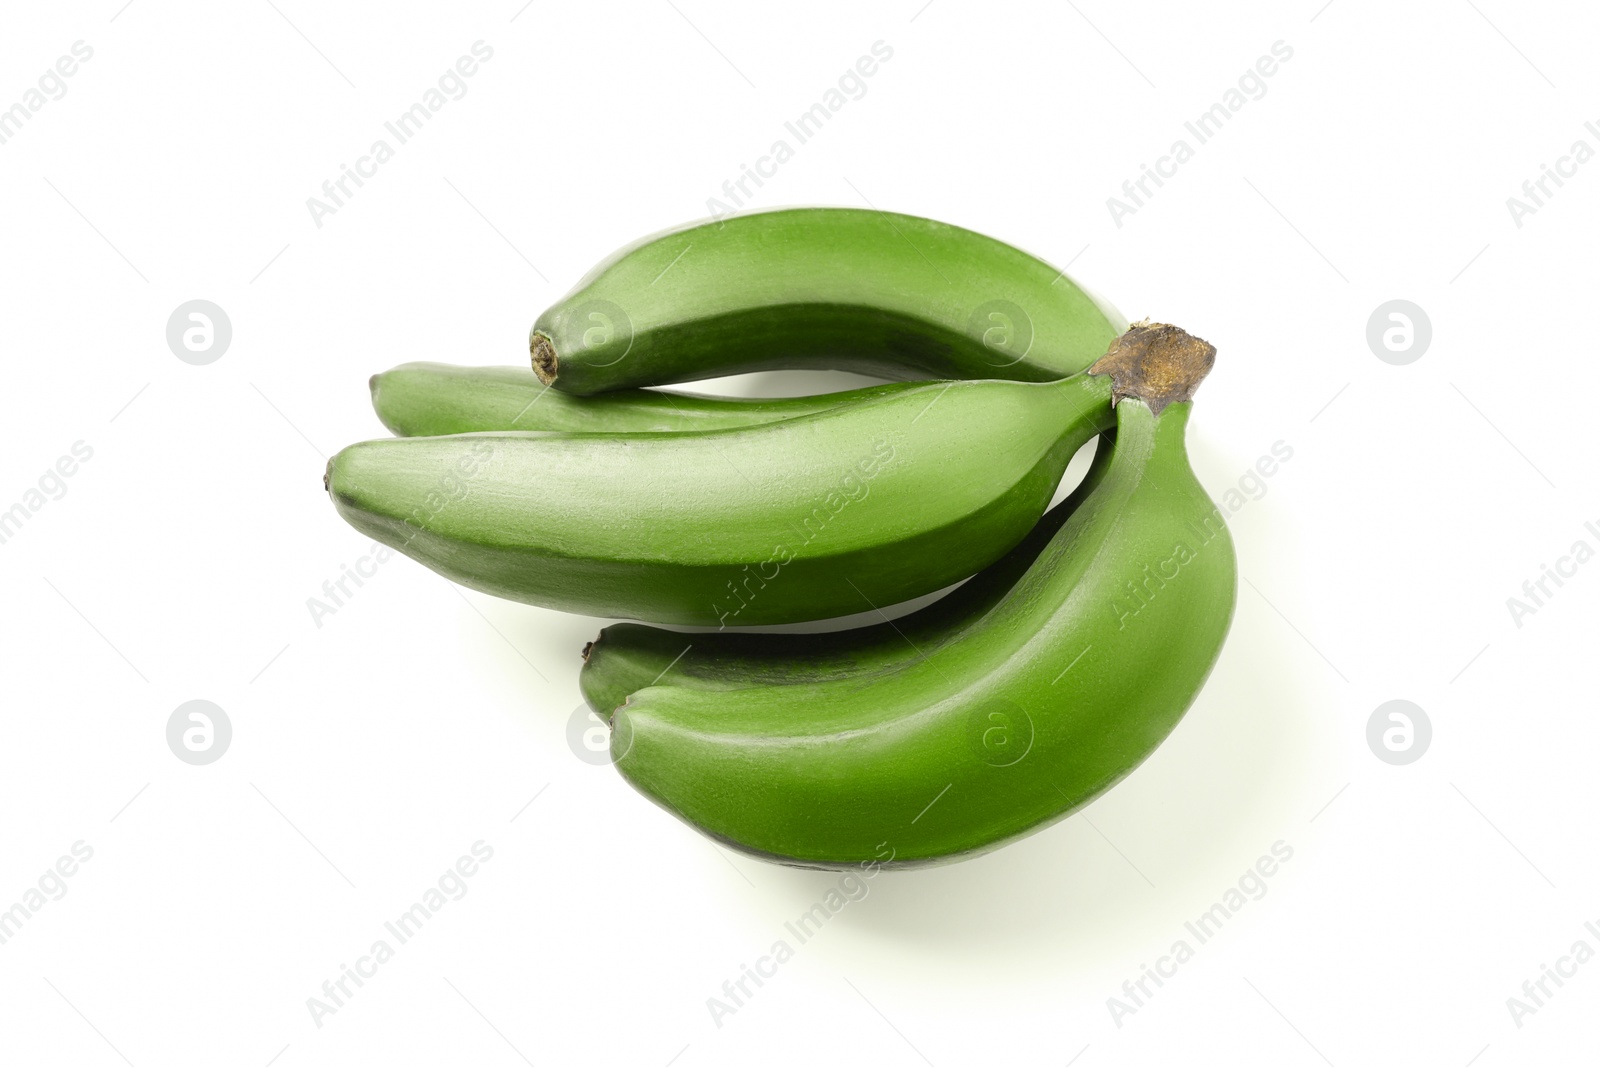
(1157,363)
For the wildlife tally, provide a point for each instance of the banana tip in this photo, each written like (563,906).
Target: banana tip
(543,351)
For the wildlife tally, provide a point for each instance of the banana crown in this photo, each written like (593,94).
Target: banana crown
(1158,363)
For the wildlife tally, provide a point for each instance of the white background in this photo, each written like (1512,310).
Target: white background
(372,751)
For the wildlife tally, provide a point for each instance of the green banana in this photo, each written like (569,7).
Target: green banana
(866,503)
(627,657)
(1059,692)
(893,296)
(432,399)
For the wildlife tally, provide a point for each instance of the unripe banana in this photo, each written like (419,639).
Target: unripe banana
(433,399)
(1057,694)
(866,503)
(627,657)
(893,296)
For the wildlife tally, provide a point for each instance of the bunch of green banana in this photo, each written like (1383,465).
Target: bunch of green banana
(1013,711)
(1077,642)
(893,296)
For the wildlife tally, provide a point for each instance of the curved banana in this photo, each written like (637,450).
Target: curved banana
(1059,693)
(627,657)
(893,296)
(866,503)
(433,399)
